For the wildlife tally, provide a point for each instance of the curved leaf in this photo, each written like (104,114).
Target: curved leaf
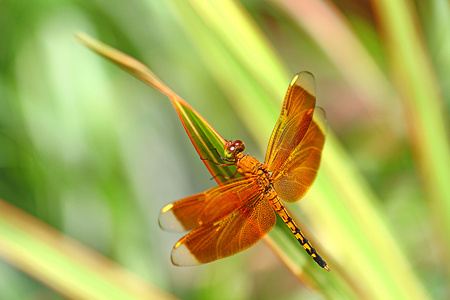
(208,143)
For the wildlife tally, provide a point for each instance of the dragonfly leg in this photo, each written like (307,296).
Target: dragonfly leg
(221,165)
(232,176)
(216,163)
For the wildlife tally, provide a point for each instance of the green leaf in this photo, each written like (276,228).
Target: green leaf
(67,266)
(208,143)
(420,93)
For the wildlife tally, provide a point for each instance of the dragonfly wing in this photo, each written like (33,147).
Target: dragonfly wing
(191,212)
(293,123)
(227,235)
(296,175)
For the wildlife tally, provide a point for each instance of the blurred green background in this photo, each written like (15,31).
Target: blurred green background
(95,153)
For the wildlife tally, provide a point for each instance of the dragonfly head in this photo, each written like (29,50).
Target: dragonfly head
(232,148)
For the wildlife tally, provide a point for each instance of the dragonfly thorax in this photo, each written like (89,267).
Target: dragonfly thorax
(250,166)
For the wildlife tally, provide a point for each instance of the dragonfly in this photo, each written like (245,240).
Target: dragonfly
(234,216)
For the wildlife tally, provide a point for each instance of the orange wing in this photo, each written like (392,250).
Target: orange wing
(296,144)
(293,123)
(191,212)
(297,174)
(227,235)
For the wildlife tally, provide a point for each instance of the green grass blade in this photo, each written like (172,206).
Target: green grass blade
(213,14)
(365,77)
(63,264)
(427,116)
(208,143)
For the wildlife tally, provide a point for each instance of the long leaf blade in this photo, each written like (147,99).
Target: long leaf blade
(70,268)
(208,143)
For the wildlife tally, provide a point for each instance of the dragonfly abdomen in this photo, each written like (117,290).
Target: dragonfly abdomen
(287,219)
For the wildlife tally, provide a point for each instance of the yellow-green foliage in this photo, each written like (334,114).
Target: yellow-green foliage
(95,153)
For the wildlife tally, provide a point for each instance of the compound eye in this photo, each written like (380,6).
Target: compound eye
(229,150)
(239,146)
(232,148)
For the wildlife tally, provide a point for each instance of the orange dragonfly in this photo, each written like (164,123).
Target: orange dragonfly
(232,217)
